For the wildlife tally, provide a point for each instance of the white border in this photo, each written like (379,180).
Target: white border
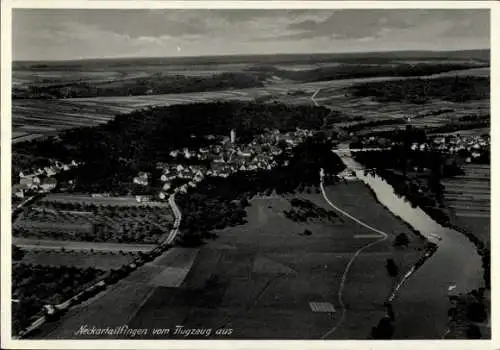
(6,343)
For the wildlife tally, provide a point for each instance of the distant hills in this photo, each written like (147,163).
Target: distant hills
(482,55)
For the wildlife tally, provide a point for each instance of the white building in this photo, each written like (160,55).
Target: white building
(347,174)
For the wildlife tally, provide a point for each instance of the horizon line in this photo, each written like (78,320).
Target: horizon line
(247,55)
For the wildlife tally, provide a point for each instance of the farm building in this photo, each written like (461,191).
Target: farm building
(142,179)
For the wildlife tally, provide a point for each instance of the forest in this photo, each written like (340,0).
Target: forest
(420,91)
(156,84)
(134,142)
(358,70)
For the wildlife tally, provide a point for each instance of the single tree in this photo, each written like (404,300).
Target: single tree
(473,332)
(17,253)
(384,329)
(476,312)
(391,267)
(401,240)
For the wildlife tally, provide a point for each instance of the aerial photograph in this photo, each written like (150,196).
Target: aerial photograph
(231,174)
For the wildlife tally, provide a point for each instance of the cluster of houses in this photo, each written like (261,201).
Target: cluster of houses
(225,157)
(472,146)
(468,146)
(40,179)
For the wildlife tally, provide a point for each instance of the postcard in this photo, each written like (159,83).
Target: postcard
(211,174)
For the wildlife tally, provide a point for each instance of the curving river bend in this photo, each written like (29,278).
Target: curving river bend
(422,304)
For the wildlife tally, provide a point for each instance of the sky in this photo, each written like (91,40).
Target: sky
(64,34)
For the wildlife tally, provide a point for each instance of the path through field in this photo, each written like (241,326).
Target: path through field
(383,236)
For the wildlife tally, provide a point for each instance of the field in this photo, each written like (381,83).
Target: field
(276,80)
(263,279)
(83,199)
(469,198)
(81,259)
(49,116)
(435,112)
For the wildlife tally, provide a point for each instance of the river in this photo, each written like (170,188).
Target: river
(422,304)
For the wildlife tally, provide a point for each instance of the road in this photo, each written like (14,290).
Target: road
(177,222)
(382,237)
(46,244)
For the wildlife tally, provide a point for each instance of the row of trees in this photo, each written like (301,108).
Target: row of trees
(303,210)
(367,124)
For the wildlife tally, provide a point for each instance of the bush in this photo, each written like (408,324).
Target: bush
(17,253)
(384,329)
(473,332)
(391,267)
(476,312)
(401,240)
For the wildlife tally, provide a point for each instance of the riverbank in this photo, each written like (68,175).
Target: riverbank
(442,217)
(428,251)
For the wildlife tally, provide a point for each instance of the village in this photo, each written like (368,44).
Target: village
(226,156)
